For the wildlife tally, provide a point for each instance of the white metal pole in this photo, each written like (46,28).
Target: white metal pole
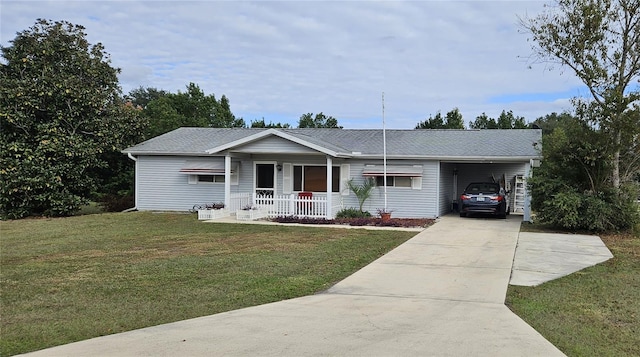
(384,154)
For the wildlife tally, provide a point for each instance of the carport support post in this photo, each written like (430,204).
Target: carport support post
(527,198)
(227,180)
(328,213)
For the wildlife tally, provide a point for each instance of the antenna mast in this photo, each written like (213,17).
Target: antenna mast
(384,154)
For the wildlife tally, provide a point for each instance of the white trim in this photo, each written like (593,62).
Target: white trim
(287,178)
(437,205)
(329,186)
(392,170)
(345,176)
(266,133)
(416,183)
(275,175)
(227,179)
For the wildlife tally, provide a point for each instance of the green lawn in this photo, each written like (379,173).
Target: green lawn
(71,279)
(593,312)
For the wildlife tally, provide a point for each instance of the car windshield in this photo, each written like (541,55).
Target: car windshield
(482,188)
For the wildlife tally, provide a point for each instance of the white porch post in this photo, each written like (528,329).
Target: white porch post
(328,213)
(227,180)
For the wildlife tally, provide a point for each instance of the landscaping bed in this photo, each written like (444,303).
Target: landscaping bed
(367,221)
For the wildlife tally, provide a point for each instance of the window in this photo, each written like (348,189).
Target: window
(394,181)
(194,179)
(209,179)
(314,178)
(407,176)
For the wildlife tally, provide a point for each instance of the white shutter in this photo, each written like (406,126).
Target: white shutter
(193,179)
(416,183)
(287,178)
(345,176)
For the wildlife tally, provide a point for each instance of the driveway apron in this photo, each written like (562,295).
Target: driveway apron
(439,294)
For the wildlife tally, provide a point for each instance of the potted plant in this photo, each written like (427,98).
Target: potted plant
(250,212)
(384,214)
(212,211)
(218,205)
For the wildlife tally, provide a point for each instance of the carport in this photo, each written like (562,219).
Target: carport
(511,174)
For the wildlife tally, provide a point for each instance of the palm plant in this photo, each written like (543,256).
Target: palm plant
(363,190)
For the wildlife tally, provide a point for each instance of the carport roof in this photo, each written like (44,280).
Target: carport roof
(420,143)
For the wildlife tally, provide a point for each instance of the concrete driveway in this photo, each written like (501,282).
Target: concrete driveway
(439,294)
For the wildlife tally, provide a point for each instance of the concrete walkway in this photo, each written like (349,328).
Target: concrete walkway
(439,294)
(541,257)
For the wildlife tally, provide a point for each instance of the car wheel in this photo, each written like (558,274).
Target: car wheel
(503,212)
(463,214)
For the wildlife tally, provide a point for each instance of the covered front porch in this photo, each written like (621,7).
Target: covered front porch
(252,206)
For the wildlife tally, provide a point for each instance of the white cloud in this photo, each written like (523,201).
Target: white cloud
(280,59)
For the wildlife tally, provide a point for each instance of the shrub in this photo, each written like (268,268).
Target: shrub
(352,212)
(588,211)
(116,203)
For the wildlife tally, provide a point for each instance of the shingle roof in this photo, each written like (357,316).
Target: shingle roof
(421,143)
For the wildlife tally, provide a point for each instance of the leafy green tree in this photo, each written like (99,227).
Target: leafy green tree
(483,122)
(320,120)
(452,120)
(142,96)
(262,124)
(61,112)
(163,117)
(599,41)
(224,118)
(551,121)
(506,120)
(192,108)
(571,189)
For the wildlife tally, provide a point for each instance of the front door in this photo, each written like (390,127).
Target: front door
(265,183)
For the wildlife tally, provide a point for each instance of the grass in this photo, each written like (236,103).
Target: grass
(71,279)
(593,312)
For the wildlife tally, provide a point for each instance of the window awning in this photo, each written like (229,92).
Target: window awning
(393,170)
(205,168)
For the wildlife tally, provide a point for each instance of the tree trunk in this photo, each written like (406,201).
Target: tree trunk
(615,174)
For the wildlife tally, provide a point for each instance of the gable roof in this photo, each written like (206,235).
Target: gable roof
(418,143)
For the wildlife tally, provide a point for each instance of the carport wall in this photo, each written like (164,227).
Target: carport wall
(454,177)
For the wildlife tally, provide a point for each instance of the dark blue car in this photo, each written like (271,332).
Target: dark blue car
(484,198)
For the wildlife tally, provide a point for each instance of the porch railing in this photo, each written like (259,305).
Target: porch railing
(288,205)
(239,201)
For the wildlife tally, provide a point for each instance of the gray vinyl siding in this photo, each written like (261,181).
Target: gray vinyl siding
(403,201)
(447,194)
(162,187)
(274,145)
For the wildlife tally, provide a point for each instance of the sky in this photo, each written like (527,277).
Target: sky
(278,60)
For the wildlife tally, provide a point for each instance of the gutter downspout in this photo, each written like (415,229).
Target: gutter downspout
(135,185)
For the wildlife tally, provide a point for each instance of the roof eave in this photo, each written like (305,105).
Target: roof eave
(269,132)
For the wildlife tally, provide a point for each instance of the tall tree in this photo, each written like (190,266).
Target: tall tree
(224,118)
(142,96)
(61,111)
(262,124)
(483,121)
(599,40)
(551,121)
(320,120)
(452,120)
(192,108)
(506,120)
